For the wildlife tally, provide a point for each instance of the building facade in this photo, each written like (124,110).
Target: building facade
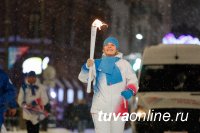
(150,18)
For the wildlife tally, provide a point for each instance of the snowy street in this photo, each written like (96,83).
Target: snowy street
(62,130)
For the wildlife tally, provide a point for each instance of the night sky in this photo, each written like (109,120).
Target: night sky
(186,17)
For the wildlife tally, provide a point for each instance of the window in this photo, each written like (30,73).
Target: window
(60,94)
(70,96)
(80,94)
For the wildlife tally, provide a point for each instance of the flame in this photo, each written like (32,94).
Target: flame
(97,23)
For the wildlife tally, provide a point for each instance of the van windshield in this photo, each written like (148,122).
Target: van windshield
(170,78)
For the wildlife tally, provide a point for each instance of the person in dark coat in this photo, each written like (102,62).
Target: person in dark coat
(7,96)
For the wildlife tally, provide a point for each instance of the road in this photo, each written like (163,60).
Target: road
(62,130)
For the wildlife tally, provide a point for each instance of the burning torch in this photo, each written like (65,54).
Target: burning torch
(96,24)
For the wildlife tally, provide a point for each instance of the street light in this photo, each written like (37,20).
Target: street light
(137,64)
(139,36)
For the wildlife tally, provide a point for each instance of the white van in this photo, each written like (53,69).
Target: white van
(168,100)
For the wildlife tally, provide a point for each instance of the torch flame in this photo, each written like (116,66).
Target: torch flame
(97,23)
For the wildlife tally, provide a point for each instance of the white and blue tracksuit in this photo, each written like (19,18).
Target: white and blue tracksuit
(26,95)
(107,91)
(7,95)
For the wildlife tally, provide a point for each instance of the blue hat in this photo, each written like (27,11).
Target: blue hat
(112,40)
(31,74)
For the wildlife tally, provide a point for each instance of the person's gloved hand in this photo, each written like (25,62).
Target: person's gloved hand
(34,103)
(127,94)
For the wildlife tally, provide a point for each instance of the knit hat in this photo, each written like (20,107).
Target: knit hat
(112,40)
(31,74)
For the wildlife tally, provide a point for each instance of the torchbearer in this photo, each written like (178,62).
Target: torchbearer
(114,84)
(96,24)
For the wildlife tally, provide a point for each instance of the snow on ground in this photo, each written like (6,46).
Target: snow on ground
(52,130)
(62,130)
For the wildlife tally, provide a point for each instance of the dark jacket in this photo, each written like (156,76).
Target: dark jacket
(7,95)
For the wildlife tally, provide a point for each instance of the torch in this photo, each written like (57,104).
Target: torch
(96,24)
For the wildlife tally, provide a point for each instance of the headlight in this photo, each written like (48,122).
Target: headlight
(141,112)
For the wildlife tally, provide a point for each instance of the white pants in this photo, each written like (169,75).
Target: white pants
(108,126)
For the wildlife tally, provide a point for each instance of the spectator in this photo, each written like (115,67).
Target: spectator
(7,96)
(32,94)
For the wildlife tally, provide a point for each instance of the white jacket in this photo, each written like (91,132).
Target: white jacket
(108,99)
(39,93)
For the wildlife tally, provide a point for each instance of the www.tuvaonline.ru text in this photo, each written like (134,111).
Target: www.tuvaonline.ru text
(150,116)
